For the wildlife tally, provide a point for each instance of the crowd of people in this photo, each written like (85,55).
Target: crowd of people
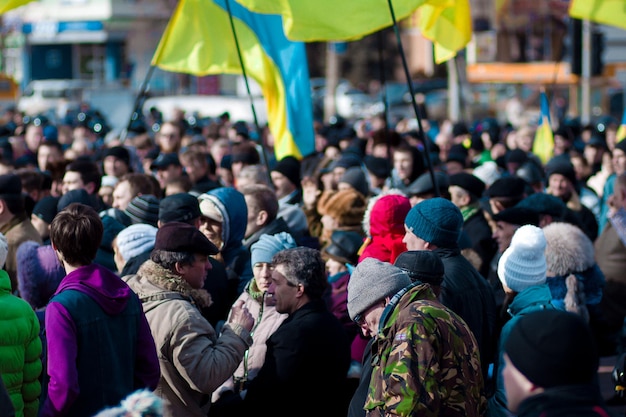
(183,270)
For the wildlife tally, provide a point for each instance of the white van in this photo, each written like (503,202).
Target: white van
(239,108)
(51,97)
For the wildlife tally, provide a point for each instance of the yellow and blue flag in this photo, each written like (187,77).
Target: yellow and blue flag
(6,5)
(449,27)
(447,23)
(608,12)
(198,40)
(621,130)
(543,146)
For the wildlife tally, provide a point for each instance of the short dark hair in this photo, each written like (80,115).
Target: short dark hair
(139,183)
(88,170)
(32,180)
(264,199)
(168,259)
(304,266)
(76,232)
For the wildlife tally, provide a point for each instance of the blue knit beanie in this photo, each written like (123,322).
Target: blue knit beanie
(436,221)
(269,245)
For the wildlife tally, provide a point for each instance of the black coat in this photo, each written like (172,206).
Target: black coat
(468,294)
(305,367)
(479,233)
(566,401)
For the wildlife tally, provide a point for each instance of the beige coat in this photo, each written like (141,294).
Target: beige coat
(194,361)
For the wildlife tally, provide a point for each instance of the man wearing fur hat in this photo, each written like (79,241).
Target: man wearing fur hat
(435,224)
(194,361)
(425,358)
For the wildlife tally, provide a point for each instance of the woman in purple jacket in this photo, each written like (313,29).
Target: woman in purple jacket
(100,348)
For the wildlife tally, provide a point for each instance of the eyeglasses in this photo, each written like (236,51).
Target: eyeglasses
(359,319)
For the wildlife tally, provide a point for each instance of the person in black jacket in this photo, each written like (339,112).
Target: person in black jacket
(435,225)
(551,367)
(465,192)
(308,356)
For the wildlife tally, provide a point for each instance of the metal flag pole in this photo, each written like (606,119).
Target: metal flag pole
(407,73)
(136,113)
(245,78)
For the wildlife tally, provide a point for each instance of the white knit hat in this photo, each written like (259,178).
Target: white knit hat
(136,239)
(523,264)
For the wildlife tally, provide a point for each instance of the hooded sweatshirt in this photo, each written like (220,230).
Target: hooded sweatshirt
(232,206)
(384,224)
(100,348)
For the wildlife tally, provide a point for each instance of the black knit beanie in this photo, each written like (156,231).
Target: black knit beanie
(553,348)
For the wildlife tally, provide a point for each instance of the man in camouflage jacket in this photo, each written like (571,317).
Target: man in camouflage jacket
(425,359)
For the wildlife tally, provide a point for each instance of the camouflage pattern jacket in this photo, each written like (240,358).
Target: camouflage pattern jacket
(425,360)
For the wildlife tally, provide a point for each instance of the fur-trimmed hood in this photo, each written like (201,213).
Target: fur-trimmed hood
(167,280)
(370,206)
(568,249)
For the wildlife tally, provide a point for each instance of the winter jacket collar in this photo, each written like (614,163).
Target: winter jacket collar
(416,291)
(537,297)
(166,279)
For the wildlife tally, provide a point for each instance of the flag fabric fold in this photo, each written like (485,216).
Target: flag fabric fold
(447,23)
(621,130)
(448,27)
(543,145)
(609,12)
(198,40)
(6,5)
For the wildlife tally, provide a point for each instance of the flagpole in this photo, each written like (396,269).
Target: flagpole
(383,81)
(245,78)
(137,105)
(407,73)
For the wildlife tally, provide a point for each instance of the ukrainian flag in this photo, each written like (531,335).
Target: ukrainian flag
(621,130)
(6,5)
(543,146)
(609,12)
(448,27)
(198,40)
(447,23)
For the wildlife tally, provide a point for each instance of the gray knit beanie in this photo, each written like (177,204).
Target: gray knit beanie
(437,221)
(135,240)
(372,281)
(357,180)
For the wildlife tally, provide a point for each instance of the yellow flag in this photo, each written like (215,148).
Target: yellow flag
(334,20)
(609,12)
(6,5)
(448,27)
(199,40)
(543,146)
(621,130)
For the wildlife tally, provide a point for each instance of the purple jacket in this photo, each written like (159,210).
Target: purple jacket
(112,295)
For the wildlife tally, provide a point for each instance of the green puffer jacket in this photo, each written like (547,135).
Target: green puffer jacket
(20,350)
